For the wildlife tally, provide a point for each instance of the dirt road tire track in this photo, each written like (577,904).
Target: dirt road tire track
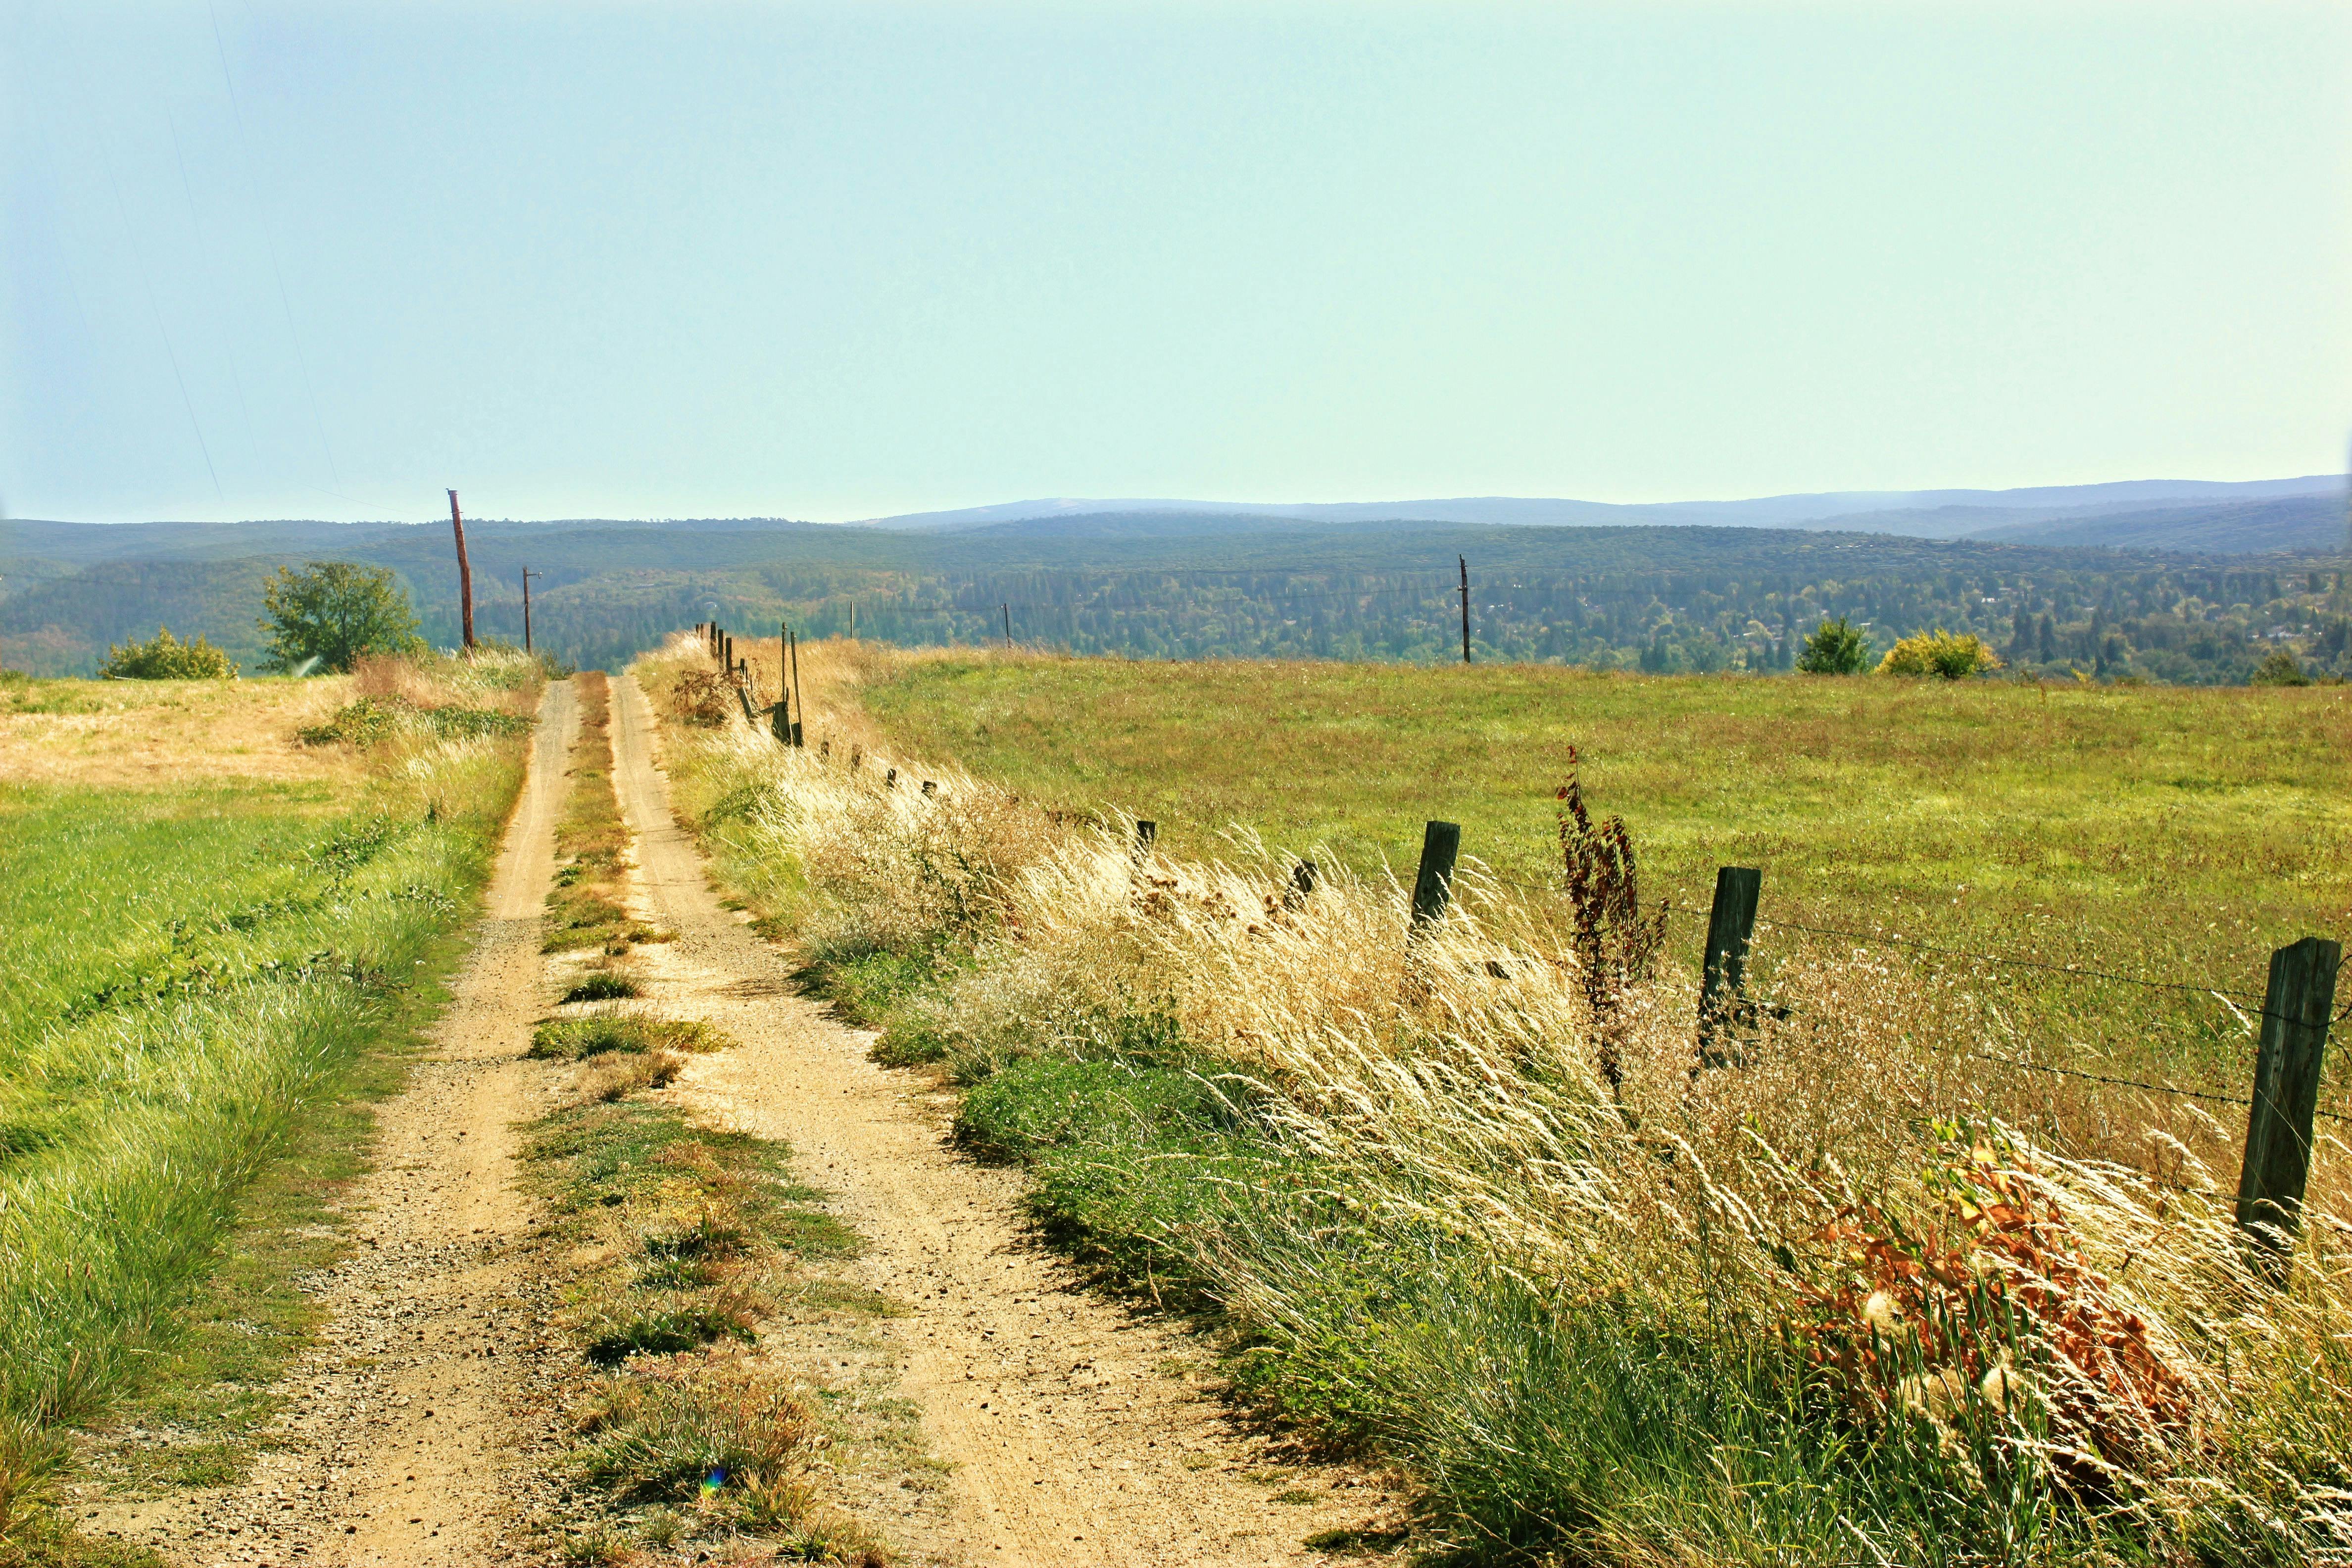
(418,1430)
(1070,1443)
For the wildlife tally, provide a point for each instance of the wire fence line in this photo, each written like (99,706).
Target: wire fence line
(2134,1083)
(1886,939)
(2071,971)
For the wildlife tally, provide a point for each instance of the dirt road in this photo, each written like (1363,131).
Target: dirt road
(1053,1429)
(1074,1435)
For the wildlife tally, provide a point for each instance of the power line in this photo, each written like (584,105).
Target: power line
(268,245)
(148,283)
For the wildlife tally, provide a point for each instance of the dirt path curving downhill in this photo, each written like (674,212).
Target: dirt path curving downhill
(1074,1435)
(417,1430)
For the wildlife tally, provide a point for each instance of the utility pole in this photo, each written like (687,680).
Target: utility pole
(527,575)
(465,573)
(1465,563)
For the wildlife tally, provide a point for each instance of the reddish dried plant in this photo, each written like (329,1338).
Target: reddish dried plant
(1615,944)
(1987,1303)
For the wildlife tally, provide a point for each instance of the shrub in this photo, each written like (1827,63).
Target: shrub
(2280,669)
(1942,654)
(166,657)
(362,724)
(1837,648)
(699,698)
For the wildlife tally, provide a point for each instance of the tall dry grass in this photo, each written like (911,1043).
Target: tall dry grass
(1856,1295)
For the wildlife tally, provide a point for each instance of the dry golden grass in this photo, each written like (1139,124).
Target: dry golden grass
(124,734)
(1857,1185)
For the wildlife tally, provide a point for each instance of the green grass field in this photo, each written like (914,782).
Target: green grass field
(210,972)
(2160,833)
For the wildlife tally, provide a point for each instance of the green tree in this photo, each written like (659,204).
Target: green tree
(1838,647)
(332,612)
(166,657)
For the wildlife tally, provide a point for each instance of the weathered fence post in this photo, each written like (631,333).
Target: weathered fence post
(800,703)
(2295,1011)
(1730,925)
(1432,885)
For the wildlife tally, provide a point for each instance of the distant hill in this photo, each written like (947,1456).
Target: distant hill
(1944,514)
(2287,524)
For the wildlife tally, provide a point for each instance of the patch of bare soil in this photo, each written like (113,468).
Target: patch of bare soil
(1072,1430)
(421,1428)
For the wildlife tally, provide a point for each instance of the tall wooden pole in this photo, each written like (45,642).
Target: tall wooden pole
(527,575)
(1465,563)
(1008,626)
(465,573)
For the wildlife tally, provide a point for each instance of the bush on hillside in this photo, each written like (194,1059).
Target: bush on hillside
(2280,669)
(166,657)
(1838,647)
(1940,654)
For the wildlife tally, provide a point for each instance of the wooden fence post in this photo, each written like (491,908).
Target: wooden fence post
(2295,1008)
(800,704)
(1432,885)
(1730,924)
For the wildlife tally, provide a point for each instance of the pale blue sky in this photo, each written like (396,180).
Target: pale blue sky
(836,262)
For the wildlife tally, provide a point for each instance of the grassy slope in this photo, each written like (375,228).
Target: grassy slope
(223,970)
(2175,833)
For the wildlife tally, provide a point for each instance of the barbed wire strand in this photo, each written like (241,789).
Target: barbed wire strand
(2260,1010)
(2134,1083)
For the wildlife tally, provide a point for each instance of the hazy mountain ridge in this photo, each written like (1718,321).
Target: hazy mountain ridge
(1947,514)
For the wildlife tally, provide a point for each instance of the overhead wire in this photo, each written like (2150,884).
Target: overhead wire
(204,252)
(139,257)
(269,246)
